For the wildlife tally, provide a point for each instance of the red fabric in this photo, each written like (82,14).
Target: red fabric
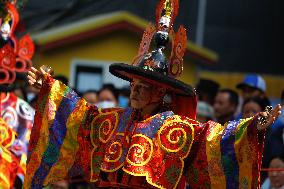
(9,169)
(14,14)
(182,183)
(196,164)
(184,105)
(8,166)
(16,55)
(256,138)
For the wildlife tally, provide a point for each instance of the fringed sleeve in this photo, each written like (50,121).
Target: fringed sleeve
(226,156)
(57,134)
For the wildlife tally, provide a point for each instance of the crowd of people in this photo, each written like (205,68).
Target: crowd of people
(214,103)
(61,133)
(225,105)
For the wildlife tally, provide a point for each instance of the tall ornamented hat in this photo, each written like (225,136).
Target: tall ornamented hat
(154,66)
(15,54)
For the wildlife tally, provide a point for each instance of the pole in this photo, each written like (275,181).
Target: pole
(201,22)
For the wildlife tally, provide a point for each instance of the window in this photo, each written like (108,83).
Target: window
(88,77)
(91,75)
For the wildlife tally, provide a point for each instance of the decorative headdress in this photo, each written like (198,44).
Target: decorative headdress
(154,67)
(15,54)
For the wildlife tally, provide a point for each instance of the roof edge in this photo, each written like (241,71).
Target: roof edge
(59,34)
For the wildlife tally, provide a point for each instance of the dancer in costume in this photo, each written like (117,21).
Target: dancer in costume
(15,57)
(156,143)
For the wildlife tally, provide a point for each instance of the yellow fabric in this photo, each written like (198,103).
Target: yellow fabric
(213,151)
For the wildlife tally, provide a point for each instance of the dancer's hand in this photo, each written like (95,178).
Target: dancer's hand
(268,118)
(35,77)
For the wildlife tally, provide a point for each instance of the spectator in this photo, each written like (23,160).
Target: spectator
(275,178)
(204,112)
(273,145)
(252,86)
(206,90)
(32,93)
(108,96)
(123,97)
(91,96)
(225,106)
(252,106)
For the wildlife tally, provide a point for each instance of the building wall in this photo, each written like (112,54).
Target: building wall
(119,46)
(274,84)
(114,47)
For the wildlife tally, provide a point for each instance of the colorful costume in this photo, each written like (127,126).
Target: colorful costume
(71,138)
(8,162)
(119,148)
(15,114)
(15,54)
(19,116)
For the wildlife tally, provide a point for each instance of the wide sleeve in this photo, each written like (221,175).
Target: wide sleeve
(56,134)
(226,156)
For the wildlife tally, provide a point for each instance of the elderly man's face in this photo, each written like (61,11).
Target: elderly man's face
(143,94)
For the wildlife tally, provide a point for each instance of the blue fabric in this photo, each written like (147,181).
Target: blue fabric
(58,131)
(229,160)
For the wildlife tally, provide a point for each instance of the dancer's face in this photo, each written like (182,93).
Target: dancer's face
(143,94)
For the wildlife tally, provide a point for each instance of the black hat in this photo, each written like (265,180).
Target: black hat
(154,67)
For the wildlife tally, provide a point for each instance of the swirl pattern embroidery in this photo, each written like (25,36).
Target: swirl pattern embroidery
(160,159)
(141,150)
(102,130)
(115,151)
